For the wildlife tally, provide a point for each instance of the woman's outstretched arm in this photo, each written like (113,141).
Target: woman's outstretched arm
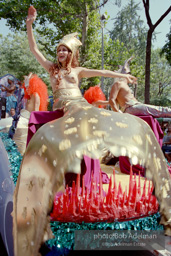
(84,72)
(32,13)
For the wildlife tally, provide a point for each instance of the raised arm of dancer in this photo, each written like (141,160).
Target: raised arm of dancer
(32,13)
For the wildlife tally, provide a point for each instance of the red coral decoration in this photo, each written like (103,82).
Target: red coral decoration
(80,204)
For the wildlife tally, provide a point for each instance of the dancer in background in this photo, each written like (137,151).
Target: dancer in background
(58,147)
(36,96)
(122,99)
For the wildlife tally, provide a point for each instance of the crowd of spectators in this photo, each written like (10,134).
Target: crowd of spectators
(9,97)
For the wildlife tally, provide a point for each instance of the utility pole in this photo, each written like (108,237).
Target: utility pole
(102,18)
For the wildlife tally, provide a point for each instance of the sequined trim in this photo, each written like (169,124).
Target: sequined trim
(65,93)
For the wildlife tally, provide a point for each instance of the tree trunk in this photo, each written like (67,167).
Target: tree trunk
(148,46)
(147,67)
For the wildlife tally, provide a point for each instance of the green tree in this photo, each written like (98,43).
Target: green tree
(17,59)
(58,18)
(166,50)
(129,29)
(129,39)
(160,89)
(115,54)
(151,29)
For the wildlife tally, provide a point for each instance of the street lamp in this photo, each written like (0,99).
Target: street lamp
(102,18)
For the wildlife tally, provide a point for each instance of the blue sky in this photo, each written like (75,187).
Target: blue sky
(157,8)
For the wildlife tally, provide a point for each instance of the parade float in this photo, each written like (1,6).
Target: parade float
(125,203)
